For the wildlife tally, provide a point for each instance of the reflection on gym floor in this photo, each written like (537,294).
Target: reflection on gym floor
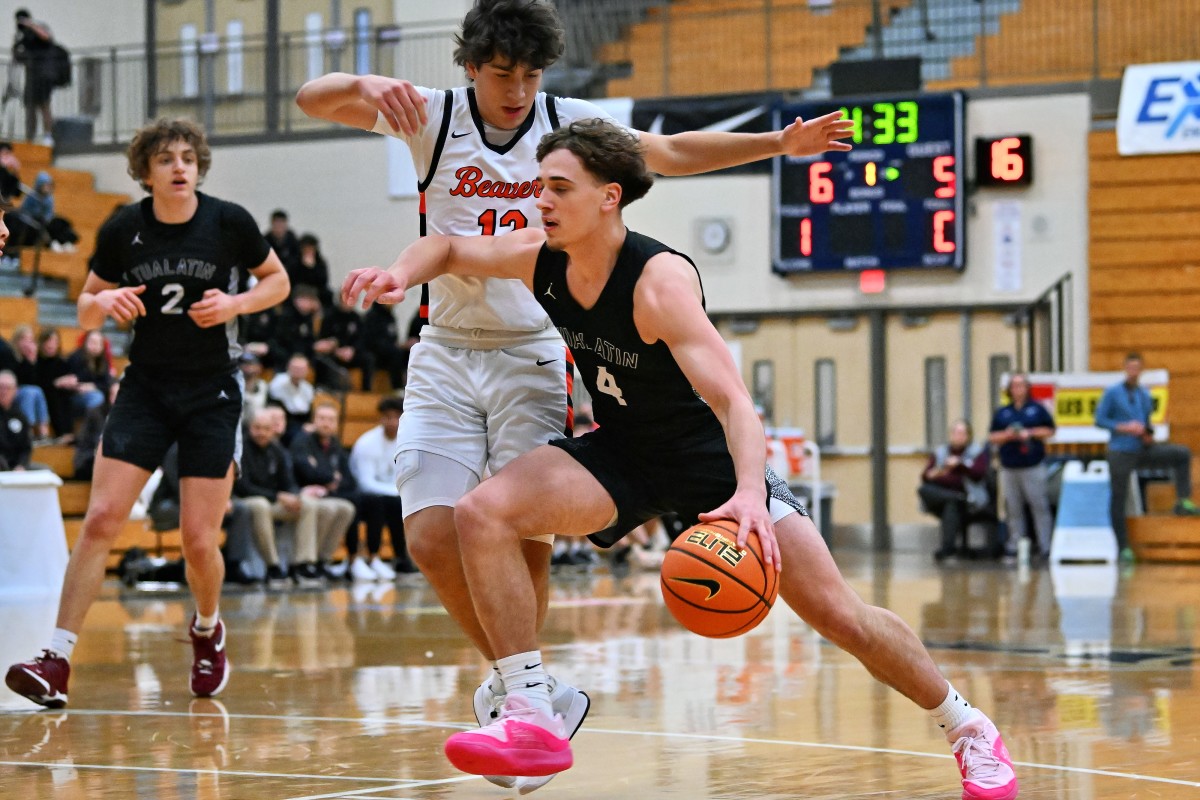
(350,692)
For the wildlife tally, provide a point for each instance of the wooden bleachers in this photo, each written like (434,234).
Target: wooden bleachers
(1052,41)
(1165,538)
(1144,255)
(704,47)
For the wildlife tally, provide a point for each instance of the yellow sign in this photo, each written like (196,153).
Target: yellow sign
(1077,406)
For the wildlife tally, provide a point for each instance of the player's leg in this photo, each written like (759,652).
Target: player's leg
(202,506)
(813,586)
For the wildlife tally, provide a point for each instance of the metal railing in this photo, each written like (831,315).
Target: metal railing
(1047,324)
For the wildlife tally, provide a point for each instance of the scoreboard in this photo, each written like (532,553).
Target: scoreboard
(895,200)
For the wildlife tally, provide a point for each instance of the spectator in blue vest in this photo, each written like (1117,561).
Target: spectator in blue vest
(1125,410)
(1019,431)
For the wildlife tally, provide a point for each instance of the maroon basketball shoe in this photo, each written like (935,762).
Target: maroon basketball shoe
(210,668)
(42,679)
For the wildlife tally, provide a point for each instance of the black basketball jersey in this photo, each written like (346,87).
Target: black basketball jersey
(638,390)
(178,263)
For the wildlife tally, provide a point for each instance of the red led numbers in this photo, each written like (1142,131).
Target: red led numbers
(943,173)
(820,185)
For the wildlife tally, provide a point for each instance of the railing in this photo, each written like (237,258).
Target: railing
(235,89)
(1047,323)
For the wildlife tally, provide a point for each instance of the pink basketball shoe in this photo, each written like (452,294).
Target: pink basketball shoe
(987,770)
(522,741)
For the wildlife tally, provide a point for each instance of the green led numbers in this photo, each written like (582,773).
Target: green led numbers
(906,122)
(885,123)
(855,117)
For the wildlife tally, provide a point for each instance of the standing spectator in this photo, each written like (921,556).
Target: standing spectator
(283,241)
(1125,409)
(371,462)
(92,367)
(951,484)
(293,391)
(89,436)
(268,488)
(1020,430)
(16,443)
(34,48)
(31,398)
(312,269)
(322,468)
(39,206)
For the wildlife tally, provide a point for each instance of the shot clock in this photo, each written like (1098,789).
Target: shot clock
(1004,161)
(895,200)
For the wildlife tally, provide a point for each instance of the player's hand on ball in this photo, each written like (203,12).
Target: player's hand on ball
(816,135)
(122,304)
(374,284)
(750,512)
(215,308)
(402,106)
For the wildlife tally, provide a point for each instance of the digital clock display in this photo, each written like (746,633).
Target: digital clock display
(893,201)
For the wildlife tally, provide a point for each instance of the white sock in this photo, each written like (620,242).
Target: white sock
(953,711)
(205,625)
(63,642)
(524,674)
(495,680)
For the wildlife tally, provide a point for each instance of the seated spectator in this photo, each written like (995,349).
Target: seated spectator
(313,270)
(322,469)
(296,327)
(381,338)
(1125,410)
(283,241)
(22,362)
(59,384)
(92,367)
(39,206)
(10,173)
(343,328)
(953,485)
(1019,430)
(257,331)
(267,487)
(294,393)
(21,229)
(254,393)
(16,441)
(88,439)
(164,516)
(374,468)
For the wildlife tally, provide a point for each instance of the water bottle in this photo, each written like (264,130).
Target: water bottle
(1023,551)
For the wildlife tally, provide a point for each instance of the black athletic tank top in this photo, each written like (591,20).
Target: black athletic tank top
(638,390)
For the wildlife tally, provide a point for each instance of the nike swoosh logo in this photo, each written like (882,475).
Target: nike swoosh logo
(541,363)
(704,583)
(531,666)
(457,135)
(720,126)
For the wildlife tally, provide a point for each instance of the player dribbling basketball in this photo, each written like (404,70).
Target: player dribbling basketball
(631,310)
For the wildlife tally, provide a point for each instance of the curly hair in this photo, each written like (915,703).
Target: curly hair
(608,151)
(159,135)
(517,31)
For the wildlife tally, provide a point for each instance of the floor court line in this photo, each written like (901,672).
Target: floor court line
(362,794)
(590,730)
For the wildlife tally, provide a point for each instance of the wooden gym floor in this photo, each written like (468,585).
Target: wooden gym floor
(350,692)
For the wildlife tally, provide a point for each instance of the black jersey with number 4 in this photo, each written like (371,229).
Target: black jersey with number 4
(178,263)
(638,390)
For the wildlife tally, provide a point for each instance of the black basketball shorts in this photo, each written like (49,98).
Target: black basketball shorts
(202,414)
(645,483)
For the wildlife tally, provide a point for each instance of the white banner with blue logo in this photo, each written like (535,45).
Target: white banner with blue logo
(1160,109)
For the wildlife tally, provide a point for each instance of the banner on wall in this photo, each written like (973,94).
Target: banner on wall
(1159,110)
(1071,398)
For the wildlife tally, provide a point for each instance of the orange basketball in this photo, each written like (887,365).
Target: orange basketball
(712,587)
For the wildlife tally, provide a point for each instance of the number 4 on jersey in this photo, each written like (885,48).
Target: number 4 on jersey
(607,384)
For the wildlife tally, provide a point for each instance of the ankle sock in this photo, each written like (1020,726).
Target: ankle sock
(63,642)
(523,673)
(953,711)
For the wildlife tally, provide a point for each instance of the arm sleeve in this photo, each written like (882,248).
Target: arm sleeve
(307,474)
(978,468)
(929,467)
(245,487)
(997,425)
(246,243)
(1047,419)
(362,466)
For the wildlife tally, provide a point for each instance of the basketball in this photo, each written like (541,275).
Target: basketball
(713,588)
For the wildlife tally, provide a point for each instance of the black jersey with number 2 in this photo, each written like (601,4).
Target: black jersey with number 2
(638,390)
(178,263)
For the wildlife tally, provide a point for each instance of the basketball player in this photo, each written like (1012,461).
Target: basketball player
(474,148)
(169,264)
(632,311)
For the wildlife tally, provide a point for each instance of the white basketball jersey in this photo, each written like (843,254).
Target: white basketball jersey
(481,188)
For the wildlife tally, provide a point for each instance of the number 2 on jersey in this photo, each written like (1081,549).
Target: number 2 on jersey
(512,219)
(607,384)
(175,290)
